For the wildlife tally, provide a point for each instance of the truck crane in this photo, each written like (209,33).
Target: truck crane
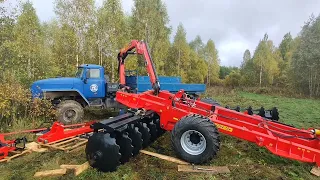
(195,126)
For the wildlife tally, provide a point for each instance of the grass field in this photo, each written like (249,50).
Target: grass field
(245,160)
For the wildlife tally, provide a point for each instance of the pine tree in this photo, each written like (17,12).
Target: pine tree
(246,58)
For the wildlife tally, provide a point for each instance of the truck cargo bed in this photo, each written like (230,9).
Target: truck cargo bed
(172,84)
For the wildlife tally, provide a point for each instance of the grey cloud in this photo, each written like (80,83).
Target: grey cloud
(233,25)
(245,21)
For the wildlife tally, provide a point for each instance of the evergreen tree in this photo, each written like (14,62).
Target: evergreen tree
(246,57)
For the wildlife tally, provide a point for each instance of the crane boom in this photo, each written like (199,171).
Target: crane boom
(141,48)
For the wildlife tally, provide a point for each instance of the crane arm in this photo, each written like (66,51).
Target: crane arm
(141,48)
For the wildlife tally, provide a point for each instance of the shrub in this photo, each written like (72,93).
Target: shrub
(16,102)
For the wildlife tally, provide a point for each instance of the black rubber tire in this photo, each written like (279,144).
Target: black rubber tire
(102,152)
(66,106)
(210,101)
(203,125)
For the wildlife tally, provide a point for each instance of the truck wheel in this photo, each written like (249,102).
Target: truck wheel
(69,112)
(195,139)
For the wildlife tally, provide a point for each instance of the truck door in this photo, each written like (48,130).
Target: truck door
(94,85)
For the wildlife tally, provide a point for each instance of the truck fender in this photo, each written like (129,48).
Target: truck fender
(46,93)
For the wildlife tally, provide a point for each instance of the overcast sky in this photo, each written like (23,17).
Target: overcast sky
(234,25)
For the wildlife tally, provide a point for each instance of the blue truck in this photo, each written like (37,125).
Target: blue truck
(91,87)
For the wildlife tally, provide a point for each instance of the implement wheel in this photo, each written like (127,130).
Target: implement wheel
(195,139)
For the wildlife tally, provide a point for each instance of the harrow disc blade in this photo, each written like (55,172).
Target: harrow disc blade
(136,138)
(125,147)
(153,130)
(102,152)
(145,132)
(159,129)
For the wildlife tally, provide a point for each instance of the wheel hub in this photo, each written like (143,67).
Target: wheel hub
(69,115)
(193,142)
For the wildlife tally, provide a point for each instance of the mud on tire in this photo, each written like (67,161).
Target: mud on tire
(195,139)
(69,112)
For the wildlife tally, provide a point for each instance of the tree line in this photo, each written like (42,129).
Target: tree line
(82,33)
(293,66)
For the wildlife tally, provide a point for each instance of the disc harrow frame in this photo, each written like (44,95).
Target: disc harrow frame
(280,139)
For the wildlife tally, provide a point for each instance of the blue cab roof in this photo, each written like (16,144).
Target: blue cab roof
(90,66)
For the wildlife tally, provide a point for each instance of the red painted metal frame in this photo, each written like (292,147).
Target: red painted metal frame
(282,140)
(58,132)
(8,146)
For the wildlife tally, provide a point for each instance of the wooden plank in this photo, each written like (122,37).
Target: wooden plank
(68,166)
(64,141)
(3,160)
(17,155)
(78,169)
(58,140)
(15,152)
(77,145)
(33,146)
(65,146)
(55,172)
(81,168)
(76,149)
(204,169)
(53,147)
(164,157)
(315,171)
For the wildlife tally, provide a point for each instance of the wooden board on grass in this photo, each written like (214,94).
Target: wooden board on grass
(55,172)
(204,169)
(164,157)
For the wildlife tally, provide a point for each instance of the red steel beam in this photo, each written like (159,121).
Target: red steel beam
(58,132)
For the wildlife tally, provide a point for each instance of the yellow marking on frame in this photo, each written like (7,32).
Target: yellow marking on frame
(174,118)
(223,127)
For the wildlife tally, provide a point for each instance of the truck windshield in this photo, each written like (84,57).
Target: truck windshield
(79,73)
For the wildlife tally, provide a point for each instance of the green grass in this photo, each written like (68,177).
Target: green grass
(245,160)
